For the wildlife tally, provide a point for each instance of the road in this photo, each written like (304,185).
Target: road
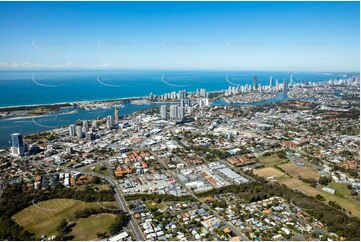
(133,225)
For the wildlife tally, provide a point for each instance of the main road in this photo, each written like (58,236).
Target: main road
(133,225)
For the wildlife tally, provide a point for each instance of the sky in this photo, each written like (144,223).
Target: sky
(279,36)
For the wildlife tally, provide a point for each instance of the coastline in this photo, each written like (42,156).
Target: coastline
(39,116)
(64,104)
(73,103)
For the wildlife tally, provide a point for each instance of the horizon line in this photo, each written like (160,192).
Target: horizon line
(181,69)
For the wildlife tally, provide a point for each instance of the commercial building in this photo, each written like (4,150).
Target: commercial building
(89,136)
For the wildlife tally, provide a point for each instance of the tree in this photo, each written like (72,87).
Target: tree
(102,235)
(320,197)
(324,180)
(120,222)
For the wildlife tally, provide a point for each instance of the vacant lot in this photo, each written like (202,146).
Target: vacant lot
(87,228)
(300,171)
(268,172)
(44,217)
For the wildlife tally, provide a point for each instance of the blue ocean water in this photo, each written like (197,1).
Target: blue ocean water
(45,87)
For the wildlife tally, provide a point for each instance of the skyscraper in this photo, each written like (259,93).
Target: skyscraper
(116,115)
(94,124)
(173,112)
(185,102)
(72,130)
(180,113)
(284,85)
(203,102)
(163,112)
(270,82)
(85,126)
(79,132)
(18,146)
(109,121)
(181,94)
(254,82)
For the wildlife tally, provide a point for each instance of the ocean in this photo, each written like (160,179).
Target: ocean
(47,87)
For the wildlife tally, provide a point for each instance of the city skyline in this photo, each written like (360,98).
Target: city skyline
(180,121)
(287,36)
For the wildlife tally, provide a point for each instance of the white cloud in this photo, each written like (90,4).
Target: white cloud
(19,65)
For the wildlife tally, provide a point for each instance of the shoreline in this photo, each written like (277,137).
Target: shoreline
(39,116)
(72,103)
(76,103)
(63,104)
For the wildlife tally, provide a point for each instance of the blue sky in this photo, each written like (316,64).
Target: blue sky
(285,36)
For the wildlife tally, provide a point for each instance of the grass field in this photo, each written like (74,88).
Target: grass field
(207,199)
(342,196)
(271,160)
(269,172)
(349,204)
(98,168)
(87,228)
(44,217)
(296,184)
(99,187)
(346,203)
(302,171)
(151,205)
(341,188)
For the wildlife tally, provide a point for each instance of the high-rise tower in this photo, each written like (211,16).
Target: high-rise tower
(116,115)
(18,146)
(254,82)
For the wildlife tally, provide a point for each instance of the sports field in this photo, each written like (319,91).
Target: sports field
(44,217)
(300,171)
(267,172)
(87,228)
